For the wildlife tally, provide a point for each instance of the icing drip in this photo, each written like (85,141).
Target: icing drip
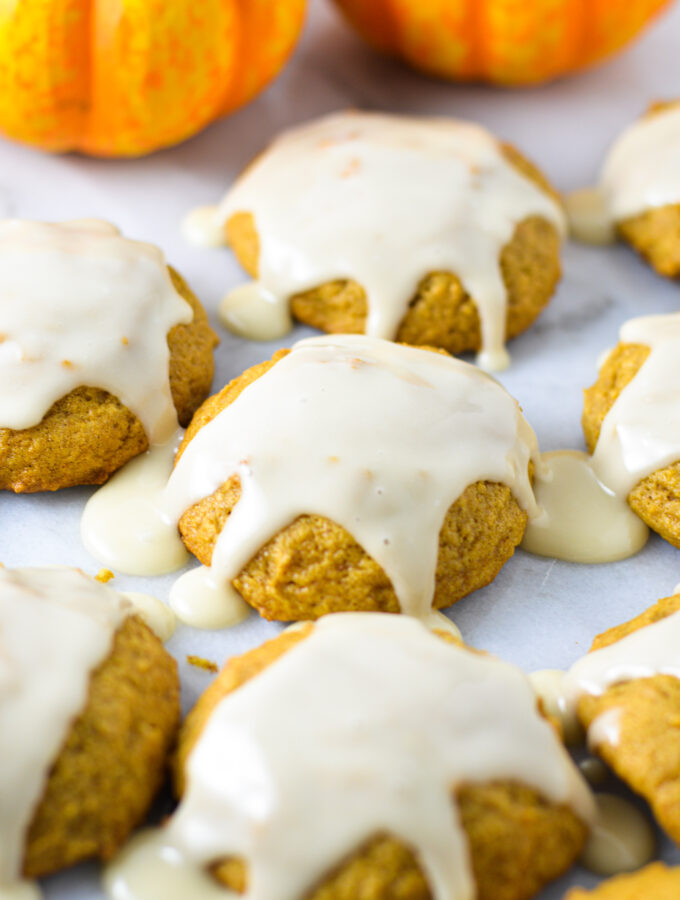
(56,627)
(202,227)
(200,600)
(581,520)
(154,613)
(641,171)
(367,726)
(82,306)
(251,311)
(379,438)
(641,432)
(385,200)
(589,218)
(549,687)
(622,838)
(122,524)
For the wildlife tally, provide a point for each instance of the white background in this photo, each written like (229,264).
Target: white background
(538,613)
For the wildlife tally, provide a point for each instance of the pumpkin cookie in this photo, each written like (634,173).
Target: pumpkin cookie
(105,351)
(655,882)
(641,186)
(355,474)
(630,705)
(96,700)
(631,422)
(326,719)
(425,231)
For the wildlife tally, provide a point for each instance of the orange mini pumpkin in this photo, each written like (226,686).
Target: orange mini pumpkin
(510,42)
(125,77)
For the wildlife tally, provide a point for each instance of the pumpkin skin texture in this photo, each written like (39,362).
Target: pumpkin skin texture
(507,42)
(125,77)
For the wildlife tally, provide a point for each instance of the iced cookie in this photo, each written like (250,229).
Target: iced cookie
(632,425)
(425,231)
(365,756)
(640,187)
(102,350)
(89,706)
(351,473)
(626,692)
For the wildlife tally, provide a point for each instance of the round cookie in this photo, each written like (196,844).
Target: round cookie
(655,882)
(88,434)
(441,313)
(646,752)
(655,232)
(453,303)
(517,840)
(94,770)
(656,498)
(314,566)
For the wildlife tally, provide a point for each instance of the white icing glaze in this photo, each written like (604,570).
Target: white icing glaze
(651,650)
(641,432)
(80,305)
(641,171)
(589,217)
(154,613)
(622,838)
(437,621)
(203,601)
(203,227)
(122,524)
(379,438)
(367,726)
(581,520)
(549,687)
(385,200)
(253,312)
(56,627)
(149,869)
(605,729)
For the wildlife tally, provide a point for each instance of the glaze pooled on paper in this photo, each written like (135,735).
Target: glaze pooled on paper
(585,515)
(581,520)
(380,438)
(82,306)
(392,720)
(56,627)
(385,200)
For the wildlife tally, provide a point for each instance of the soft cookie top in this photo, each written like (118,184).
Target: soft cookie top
(376,437)
(360,726)
(374,206)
